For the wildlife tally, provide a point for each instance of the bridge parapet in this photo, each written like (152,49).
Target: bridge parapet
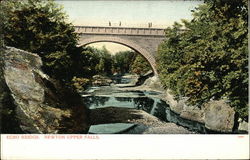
(120,31)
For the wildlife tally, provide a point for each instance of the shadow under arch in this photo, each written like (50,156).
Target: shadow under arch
(125,42)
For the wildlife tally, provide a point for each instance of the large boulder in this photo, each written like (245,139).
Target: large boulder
(153,83)
(32,102)
(193,113)
(219,116)
(178,106)
(243,126)
(188,111)
(216,115)
(175,106)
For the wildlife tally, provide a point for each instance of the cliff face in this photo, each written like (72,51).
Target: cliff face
(32,102)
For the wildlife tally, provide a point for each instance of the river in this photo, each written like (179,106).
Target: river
(148,101)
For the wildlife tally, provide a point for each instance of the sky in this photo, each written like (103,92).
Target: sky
(139,13)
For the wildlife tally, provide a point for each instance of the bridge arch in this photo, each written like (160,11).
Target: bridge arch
(149,57)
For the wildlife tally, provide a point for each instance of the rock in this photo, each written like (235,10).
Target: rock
(178,107)
(169,98)
(243,126)
(143,78)
(170,128)
(99,80)
(32,102)
(193,114)
(146,123)
(122,115)
(219,116)
(190,112)
(153,83)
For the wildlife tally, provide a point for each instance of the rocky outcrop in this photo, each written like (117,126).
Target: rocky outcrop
(243,126)
(32,102)
(214,120)
(185,111)
(216,115)
(99,80)
(141,80)
(153,83)
(219,116)
(194,114)
(188,112)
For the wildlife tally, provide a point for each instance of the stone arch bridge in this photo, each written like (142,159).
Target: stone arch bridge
(143,40)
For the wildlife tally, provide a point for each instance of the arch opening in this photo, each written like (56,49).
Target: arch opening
(112,47)
(133,46)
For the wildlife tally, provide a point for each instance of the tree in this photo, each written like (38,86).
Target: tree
(122,61)
(140,65)
(209,59)
(130,62)
(39,26)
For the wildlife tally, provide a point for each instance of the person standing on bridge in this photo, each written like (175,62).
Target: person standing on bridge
(149,25)
(120,23)
(109,23)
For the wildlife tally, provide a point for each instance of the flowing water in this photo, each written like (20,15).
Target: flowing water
(106,96)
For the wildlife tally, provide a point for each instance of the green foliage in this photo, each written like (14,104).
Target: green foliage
(58,64)
(209,59)
(105,62)
(130,62)
(97,61)
(122,61)
(80,83)
(39,26)
(92,61)
(140,65)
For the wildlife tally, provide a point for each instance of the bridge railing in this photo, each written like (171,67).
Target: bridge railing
(119,30)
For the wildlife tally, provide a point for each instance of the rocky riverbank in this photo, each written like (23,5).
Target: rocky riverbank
(217,116)
(32,102)
(145,123)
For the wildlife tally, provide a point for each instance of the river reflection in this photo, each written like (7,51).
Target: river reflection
(145,101)
(95,101)
(153,106)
